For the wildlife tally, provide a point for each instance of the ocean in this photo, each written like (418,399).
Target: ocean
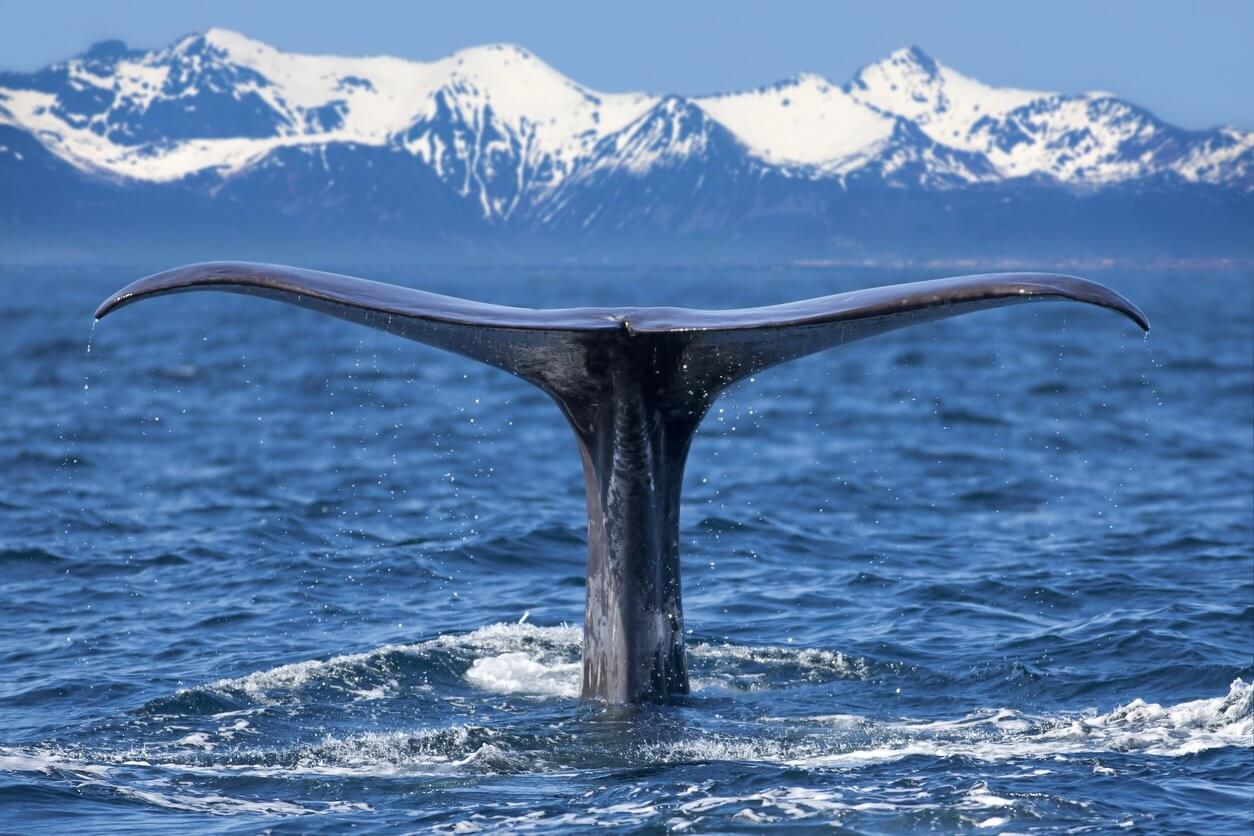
(264,570)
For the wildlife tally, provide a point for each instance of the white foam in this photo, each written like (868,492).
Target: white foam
(808,658)
(494,638)
(540,662)
(992,821)
(197,739)
(850,741)
(518,673)
(979,796)
(214,803)
(1182,729)
(1000,734)
(455,750)
(779,804)
(48,763)
(529,660)
(820,742)
(82,773)
(526,659)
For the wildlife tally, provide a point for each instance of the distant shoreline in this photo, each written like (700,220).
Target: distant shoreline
(967,265)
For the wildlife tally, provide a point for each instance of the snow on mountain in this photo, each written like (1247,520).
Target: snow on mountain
(670,133)
(806,121)
(1090,138)
(513,138)
(1098,139)
(502,124)
(675,167)
(908,157)
(92,110)
(944,103)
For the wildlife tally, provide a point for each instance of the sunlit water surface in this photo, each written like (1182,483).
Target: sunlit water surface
(263,569)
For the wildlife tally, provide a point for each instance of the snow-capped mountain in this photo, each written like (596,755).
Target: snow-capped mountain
(221,101)
(492,138)
(674,167)
(1085,139)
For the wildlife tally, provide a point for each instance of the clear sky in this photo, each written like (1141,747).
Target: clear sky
(1192,63)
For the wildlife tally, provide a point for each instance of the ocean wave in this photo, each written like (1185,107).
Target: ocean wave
(221,730)
(517,672)
(528,660)
(1000,734)
(346,671)
(86,776)
(166,775)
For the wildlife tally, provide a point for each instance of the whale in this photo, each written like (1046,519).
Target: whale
(634,384)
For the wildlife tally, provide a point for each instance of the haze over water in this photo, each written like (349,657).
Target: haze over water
(268,570)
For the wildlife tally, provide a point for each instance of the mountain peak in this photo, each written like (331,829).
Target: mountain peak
(498,54)
(809,79)
(674,122)
(910,84)
(220,36)
(514,73)
(909,70)
(107,50)
(914,56)
(676,105)
(673,131)
(222,44)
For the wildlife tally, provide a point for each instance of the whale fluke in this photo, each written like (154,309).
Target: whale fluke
(634,383)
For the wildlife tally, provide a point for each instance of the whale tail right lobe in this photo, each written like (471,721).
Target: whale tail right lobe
(634,384)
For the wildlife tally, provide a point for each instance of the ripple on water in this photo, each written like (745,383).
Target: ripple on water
(197,741)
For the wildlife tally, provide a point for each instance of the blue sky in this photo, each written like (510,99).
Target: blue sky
(1191,63)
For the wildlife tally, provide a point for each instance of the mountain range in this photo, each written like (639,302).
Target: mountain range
(223,145)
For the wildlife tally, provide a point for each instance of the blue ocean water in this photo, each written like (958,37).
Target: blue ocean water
(265,570)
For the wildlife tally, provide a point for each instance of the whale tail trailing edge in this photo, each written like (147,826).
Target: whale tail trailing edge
(634,383)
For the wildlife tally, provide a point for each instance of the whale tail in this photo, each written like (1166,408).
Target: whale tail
(634,383)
